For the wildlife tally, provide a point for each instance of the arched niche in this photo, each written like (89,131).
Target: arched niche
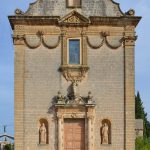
(105,132)
(43,131)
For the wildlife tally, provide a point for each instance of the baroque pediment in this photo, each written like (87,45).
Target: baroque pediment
(74,18)
(58,8)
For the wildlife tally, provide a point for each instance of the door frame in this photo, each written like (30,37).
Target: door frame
(84,112)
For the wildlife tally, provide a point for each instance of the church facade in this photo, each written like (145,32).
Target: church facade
(74,76)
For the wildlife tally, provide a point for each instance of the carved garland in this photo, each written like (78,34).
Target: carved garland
(34,41)
(104,36)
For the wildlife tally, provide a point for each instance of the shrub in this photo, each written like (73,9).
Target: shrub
(142,144)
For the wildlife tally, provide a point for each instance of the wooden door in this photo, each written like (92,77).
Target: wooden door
(74,134)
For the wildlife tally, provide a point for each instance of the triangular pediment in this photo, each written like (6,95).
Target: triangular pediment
(74,18)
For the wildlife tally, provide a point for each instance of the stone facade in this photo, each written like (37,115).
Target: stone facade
(106,70)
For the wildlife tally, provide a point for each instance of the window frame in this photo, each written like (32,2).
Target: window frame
(80,53)
(67,5)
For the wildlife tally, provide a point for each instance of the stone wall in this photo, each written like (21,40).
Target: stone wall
(41,81)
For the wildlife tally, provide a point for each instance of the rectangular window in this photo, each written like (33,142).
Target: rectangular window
(74,51)
(74,3)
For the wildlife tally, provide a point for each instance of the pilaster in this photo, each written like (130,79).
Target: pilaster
(129,42)
(19,97)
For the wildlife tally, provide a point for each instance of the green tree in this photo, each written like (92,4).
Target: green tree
(8,147)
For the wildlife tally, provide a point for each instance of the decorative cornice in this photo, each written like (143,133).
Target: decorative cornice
(54,20)
(115,21)
(33,20)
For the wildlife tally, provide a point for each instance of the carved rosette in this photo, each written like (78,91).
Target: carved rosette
(74,73)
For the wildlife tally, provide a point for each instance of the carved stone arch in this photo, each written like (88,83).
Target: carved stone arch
(45,121)
(108,123)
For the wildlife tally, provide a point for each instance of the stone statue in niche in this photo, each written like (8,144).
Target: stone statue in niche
(105,134)
(43,134)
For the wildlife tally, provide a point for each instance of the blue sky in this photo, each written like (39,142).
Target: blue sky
(142,55)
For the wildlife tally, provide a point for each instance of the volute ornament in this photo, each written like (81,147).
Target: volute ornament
(130,12)
(19,12)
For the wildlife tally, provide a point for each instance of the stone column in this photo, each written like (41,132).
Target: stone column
(60,134)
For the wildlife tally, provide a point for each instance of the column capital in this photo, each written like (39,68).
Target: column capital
(129,40)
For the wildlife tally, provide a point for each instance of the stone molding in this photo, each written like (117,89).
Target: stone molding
(93,20)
